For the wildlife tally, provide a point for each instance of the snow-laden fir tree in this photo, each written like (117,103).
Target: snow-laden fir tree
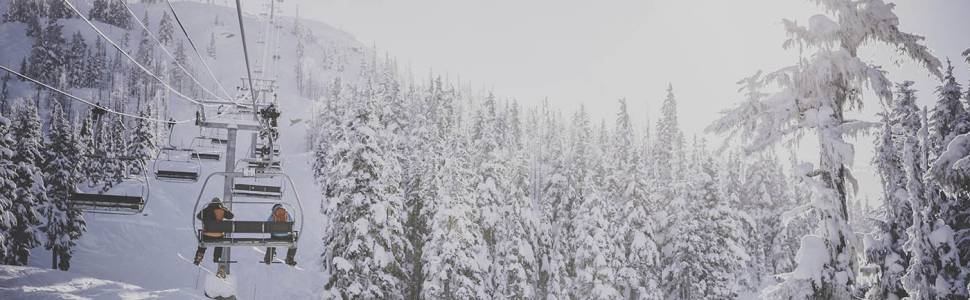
(455,256)
(934,268)
(596,255)
(7,188)
(46,57)
(814,97)
(707,253)
(58,9)
(666,179)
(77,61)
(141,147)
(115,163)
(635,224)
(949,119)
(364,237)
(516,267)
(166,30)
(64,224)
(30,196)
(884,249)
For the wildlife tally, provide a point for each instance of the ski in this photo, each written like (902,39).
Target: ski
(276,260)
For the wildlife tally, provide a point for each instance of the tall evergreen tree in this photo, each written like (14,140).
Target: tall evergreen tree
(77,61)
(47,59)
(635,221)
(825,94)
(364,237)
(57,9)
(934,267)
(455,248)
(166,30)
(596,256)
(7,187)
(31,195)
(64,224)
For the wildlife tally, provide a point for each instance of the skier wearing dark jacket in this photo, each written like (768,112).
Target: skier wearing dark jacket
(214,211)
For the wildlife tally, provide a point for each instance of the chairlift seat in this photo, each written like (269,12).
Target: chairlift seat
(256,190)
(184,175)
(248,227)
(107,202)
(206,156)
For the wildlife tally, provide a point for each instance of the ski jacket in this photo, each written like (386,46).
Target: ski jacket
(212,212)
(272,218)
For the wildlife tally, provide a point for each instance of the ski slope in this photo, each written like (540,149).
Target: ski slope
(133,257)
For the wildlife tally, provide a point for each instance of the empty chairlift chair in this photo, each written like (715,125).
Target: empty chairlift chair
(126,197)
(260,166)
(177,165)
(204,148)
(250,228)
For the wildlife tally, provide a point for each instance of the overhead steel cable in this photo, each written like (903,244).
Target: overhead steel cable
(132,59)
(88,102)
(175,60)
(249,72)
(196,50)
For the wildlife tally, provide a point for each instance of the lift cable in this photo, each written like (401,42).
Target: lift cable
(249,72)
(162,46)
(196,50)
(132,59)
(88,102)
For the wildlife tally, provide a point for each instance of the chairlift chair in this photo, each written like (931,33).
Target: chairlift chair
(128,197)
(249,232)
(258,185)
(260,166)
(205,148)
(176,165)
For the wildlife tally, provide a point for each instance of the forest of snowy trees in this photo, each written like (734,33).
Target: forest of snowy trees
(434,191)
(51,145)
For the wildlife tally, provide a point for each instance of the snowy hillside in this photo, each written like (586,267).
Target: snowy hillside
(140,254)
(36,283)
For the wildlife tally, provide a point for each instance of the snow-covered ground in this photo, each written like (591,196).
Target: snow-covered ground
(137,256)
(37,283)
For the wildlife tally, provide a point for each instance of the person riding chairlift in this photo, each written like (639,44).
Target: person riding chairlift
(270,115)
(279,214)
(218,212)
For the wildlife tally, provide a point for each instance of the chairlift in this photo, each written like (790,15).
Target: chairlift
(127,197)
(260,166)
(206,148)
(266,185)
(253,230)
(176,165)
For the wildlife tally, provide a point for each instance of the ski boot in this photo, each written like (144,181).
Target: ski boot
(268,258)
(198,257)
(290,257)
(221,273)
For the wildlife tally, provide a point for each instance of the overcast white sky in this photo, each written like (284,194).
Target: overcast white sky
(595,52)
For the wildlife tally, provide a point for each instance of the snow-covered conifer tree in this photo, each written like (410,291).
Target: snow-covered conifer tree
(364,237)
(934,269)
(635,224)
(596,256)
(7,187)
(142,146)
(814,97)
(166,30)
(30,195)
(64,223)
